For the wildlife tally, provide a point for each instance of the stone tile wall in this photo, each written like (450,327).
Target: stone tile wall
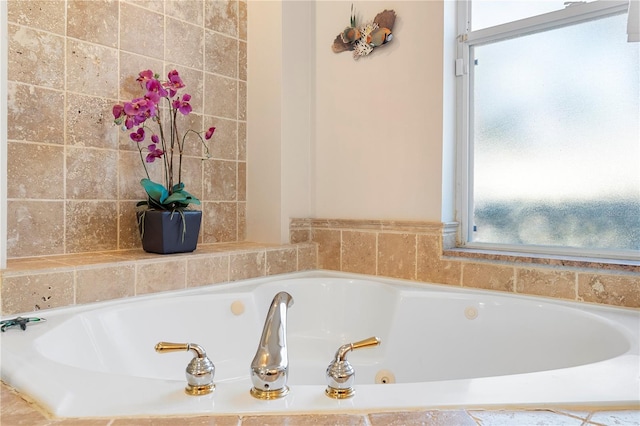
(73,177)
(425,252)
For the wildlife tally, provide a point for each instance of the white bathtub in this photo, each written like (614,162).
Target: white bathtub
(446,347)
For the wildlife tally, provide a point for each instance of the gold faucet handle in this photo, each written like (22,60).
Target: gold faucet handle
(171,347)
(199,372)
(371,341)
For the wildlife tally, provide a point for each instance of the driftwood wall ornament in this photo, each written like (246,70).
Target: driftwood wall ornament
(362,39)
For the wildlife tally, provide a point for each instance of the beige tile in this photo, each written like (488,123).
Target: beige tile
(135,40)
(220,220)
(306,420)
(207,270)
(222,16)
(90,173)
(224,143)
(130,66)
(184,421)
(542,418)
(242,181)
(550,283)
(488,276)
(37,174)
(222,96)
(45,15)
(621,290)
(26,293)
(36,57)
(93,20)
(281,261)
(242,141)
(431,267)
(165,275)
(241,234)
(191,11)
(17,411)
(90,123)
(185,43)
(221,180)
(35,228)
(307,256)
(92,69)
(221,54)
(430,418)
(242,19)
(358,252)
(242,60)
(91,226)
(153,5)
(242,100)
(128,233)
(247,265)
(299,235)
(193,80)
(111,282)
(28,107)
(329,244)
(192,177)
(624,417)
(397,255)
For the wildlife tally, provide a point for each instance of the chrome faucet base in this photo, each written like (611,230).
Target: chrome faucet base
(336,393)
(199,390)
(269,394)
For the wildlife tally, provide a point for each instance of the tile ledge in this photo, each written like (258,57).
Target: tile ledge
(543,259)
(37,263)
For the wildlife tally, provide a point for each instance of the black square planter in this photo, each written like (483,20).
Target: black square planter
(163,230)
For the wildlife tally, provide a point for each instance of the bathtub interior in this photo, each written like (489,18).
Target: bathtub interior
(426,335)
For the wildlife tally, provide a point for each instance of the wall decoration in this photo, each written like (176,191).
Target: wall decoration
(363,39)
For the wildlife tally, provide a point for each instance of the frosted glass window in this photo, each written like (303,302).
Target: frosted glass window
(487,13)
(556,138)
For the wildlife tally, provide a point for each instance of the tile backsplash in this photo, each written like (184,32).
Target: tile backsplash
(426,252)
(72,174)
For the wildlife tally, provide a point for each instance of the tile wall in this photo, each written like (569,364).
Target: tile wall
(425,252)
(72,175)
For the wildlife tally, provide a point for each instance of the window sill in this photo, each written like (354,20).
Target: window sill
(545,259)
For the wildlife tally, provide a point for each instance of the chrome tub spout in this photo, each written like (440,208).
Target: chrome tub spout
(270,365)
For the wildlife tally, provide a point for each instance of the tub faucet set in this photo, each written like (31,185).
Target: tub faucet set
(270,365)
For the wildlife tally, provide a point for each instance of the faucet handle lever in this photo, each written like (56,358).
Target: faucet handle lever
(340,373)
(199,371)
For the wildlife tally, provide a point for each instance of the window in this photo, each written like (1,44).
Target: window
(549,128)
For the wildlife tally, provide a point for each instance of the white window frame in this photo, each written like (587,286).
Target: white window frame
(466,40)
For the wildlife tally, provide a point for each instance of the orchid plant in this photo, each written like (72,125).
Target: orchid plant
(166,142)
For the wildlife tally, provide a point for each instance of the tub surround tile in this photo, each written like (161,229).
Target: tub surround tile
(154,277)
(33,292)
(27,48)
(620,290)
(147,43)
(306,420)
(90,226)
(91,69)
(93,21)
(36,174)
(205,270)
(35,228)
(488,276)
(281,261)
(225,102)
(359,252)
(189,11)
(89,122)
(426,418)
(45,15)
(541,417)
(397,255)
(182,421)
(98,284)
(185,43)
(89,174)
(221,54)
(606,282)
(28,107)
(247,265)
(222,16)
(220,220)
(626,418)
(549,283)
